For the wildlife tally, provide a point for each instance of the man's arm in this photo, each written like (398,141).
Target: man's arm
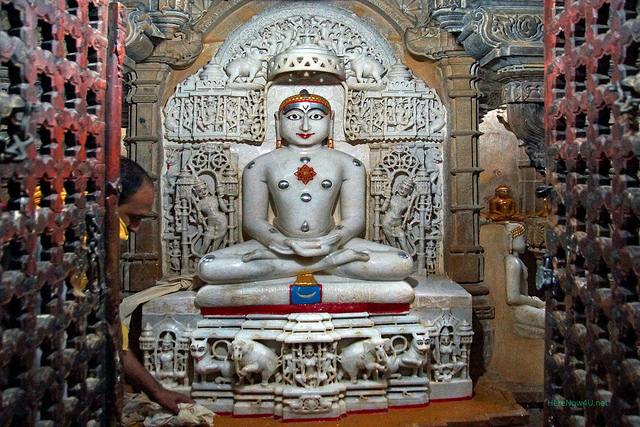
(136,375)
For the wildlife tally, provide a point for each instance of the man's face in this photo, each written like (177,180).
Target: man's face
(306,125)
(137,207)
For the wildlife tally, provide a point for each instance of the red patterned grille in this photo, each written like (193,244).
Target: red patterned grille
(593,322)
(57,358)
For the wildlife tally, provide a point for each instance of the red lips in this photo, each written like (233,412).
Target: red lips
(305,135)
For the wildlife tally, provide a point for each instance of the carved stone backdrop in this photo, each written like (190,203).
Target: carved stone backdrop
(200,203)
(386,108)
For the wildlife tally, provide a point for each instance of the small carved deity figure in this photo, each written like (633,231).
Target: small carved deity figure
(166,355)
(446,347)
(309,361)
(446,357)
(329,358)
(397,209)
(212,206)
(304,180)
(528,310)
(502,207)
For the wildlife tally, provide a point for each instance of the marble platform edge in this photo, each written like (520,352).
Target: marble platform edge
(430,292)
(440,292)
(334,290)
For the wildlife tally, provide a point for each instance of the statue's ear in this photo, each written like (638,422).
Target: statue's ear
(368,347)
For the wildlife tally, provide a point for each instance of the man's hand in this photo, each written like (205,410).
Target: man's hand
(169,399)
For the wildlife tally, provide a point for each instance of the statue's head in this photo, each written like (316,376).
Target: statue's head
(167,342)
(503,192)
(405,187)
(304,120)
(200,188)
(308,350)
(445,336)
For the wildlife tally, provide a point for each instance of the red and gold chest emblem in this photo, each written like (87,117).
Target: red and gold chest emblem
(305,174)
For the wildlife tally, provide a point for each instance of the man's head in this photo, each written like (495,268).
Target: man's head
(136,196)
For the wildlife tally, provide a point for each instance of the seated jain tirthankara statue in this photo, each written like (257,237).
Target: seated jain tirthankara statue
(306,320)
(304,178)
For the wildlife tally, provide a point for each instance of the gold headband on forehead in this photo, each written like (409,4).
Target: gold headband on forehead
(305,96)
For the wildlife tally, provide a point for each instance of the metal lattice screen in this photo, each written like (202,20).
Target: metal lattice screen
(592,365)
(57,350)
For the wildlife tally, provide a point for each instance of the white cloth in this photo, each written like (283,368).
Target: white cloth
(138,407)
(163,287)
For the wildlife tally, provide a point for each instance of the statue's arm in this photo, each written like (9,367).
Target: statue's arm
(352,202)
(514,278)
(223,205)
(255,208)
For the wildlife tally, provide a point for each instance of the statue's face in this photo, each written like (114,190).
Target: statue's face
(503,193)
(306,125)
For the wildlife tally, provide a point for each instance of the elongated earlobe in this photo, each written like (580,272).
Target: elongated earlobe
(278,140)
(330,139)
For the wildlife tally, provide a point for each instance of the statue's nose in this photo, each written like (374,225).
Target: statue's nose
(305,123)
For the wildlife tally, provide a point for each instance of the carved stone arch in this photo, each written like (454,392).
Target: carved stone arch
(295,15)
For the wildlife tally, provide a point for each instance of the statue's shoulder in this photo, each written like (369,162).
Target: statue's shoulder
(342,156)
(259,162)
(348,162)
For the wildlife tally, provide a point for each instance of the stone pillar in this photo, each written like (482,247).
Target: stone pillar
(141,258)
(464,258)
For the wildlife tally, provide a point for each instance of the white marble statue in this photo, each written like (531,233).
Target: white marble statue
(304,180)
(528,314)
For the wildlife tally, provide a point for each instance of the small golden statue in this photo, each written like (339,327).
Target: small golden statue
(502,207)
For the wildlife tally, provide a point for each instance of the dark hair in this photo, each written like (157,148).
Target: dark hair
(132,177)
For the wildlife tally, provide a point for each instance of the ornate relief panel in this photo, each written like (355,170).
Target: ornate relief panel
(200,203)
(406,210)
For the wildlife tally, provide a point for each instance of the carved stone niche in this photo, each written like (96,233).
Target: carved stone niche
(228,105)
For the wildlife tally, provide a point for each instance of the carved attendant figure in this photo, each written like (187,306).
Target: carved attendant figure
(304,180)
(213,207)
(396,209)
(166,359)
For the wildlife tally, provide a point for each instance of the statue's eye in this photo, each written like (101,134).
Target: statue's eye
(294,116)
(316,116)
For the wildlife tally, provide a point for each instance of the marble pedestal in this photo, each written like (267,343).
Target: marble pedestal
(363,347)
